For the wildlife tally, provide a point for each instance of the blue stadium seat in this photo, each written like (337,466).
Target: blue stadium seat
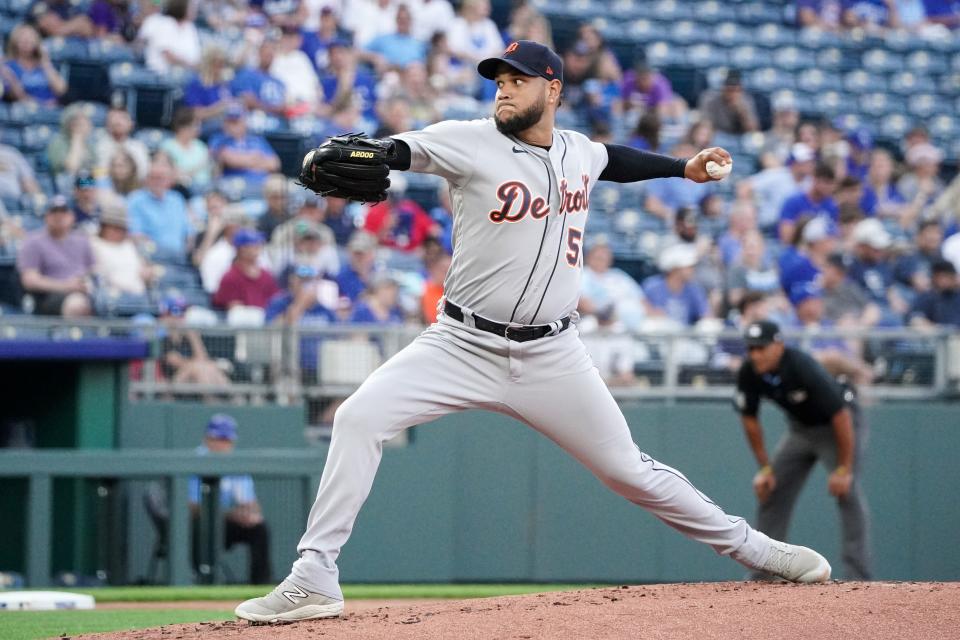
(830,59)
(769,79)
(876,104)
(925,62)
(621,10)
(759,13)
(730,34)
(706,55)
(943,126)
(861,82)
(109,52)
(773,35)
(836,102)
(37,137)
(815,80)
(791,58)
(850,121)
(818,39)
(894,126)
(11,136)
(881,61)
(922,105)
(949,83)
(660,54)
(908,83)
(902,41)
(711,11)
(151,137)
(644,30)
(748,57)
(685,32)
(65,49)
(669,10)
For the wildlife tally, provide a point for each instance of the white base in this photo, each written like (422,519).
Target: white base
(43,600)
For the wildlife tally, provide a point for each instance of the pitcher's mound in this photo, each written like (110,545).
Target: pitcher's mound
(743,610)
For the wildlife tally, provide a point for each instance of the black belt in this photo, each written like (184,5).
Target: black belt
(521,333)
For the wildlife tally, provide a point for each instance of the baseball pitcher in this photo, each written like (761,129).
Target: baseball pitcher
(506,340)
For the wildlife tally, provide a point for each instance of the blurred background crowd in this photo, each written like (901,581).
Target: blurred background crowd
(147,151)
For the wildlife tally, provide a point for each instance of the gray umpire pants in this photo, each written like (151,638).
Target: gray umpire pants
(796,453)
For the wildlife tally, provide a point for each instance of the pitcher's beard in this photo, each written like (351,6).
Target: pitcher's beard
(523,120)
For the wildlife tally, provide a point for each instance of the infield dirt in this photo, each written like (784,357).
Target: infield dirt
(743,610)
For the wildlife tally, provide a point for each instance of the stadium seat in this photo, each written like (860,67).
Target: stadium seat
(669,10)
(922,105)
(685,32)
(830,59)
(705,55)
(943,126)
(791,58)
(949,83)
(87,80)
(37,137)
(621,10)
(816,80)
(908,83)
(860,81)
(881,61)
(711,11)
(730,34)
(660,54)
(66,49)
(849,121)
(748,57)
(644,30)
(876,104)
(925,62)
(769,79)
(773,36)
(11,136)
(894,126)
(765,13)
(818,39)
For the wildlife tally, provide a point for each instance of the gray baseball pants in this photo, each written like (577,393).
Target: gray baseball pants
(549,384)
(796,453)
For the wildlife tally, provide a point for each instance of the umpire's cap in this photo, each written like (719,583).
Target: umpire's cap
(528,57)
(222,427)
(762,333)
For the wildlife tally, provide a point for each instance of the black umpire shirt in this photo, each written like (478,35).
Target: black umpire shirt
(809,395)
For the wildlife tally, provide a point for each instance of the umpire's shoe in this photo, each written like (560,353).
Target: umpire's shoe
(795,563)
(289,602)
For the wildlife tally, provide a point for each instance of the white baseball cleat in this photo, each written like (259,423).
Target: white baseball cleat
(795,563)
(289,602)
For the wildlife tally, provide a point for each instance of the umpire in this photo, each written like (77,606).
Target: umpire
(825,425)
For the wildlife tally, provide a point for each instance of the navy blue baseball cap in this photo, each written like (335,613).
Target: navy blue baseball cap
(529,58)
(222,427)
(762,333)
(244,237)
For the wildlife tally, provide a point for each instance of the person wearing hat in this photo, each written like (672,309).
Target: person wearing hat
(825,425)
(814,202)
(941,304)
(184,358)
(241,154)
(243,517)
(55,264)
(674,292)
(307,296)
(85,205)
(305,239)
(731,108)
(118,263)
(361,265)
(803,260)
(246,283)
(504,338)
(872,269)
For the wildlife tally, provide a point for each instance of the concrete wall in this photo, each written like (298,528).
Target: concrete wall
(478,497)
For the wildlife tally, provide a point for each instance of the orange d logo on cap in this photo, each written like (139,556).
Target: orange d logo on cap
(513,47)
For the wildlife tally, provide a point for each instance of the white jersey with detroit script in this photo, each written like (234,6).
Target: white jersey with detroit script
(519,214)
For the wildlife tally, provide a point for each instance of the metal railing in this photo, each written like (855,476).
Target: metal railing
(290,365)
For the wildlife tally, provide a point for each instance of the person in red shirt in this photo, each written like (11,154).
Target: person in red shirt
(246,283)
(398,222)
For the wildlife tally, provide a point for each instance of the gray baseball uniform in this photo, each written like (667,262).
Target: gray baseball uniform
(519,216)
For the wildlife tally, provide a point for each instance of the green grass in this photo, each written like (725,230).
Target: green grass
(24,625)
(27,625)
(350,591)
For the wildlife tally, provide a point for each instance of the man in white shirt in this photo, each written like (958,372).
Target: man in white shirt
(292,67)
(170,39)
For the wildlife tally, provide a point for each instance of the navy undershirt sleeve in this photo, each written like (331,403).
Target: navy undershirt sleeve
(402,161)
(626,164)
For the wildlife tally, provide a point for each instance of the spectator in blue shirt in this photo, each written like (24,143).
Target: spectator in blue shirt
(243,517)
(914,268)
(306,302)
(817,201)
(666,195)
(355,276)
(241,154)
(940,305)
(803,261)
(397,49)
(256,87)
(872,269)
(880,196)
(870,14)
(158,213)
(344,79)
(945,12)
(208,92)
(316,44)
(675,293)
(379,304)
(28,74)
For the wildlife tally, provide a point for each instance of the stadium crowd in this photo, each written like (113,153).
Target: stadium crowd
(821,225)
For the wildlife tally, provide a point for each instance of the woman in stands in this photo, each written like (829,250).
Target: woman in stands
(121,178)
(28,73)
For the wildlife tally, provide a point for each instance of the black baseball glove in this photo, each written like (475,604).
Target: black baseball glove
(350,166)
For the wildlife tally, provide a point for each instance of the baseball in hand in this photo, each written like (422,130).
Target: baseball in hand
(719,171)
